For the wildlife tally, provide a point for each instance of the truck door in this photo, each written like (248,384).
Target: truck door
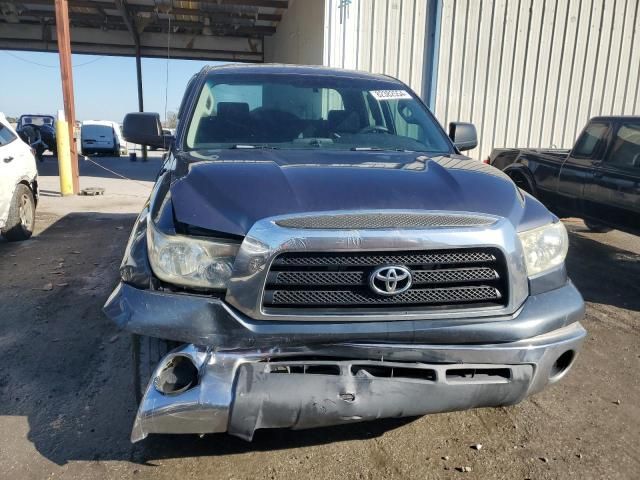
(613,195)
(576,171)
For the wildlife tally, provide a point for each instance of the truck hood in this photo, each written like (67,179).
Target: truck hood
(229,190)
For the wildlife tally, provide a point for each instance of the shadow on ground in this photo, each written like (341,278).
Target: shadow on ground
(604,274)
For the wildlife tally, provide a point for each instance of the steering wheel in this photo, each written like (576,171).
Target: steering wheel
(374,128)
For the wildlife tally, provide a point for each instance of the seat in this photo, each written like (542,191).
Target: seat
(231,124)
(343,121)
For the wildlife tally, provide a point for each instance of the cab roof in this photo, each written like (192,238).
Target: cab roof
(313,70)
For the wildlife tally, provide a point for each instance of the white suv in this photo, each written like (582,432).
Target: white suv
(18,185)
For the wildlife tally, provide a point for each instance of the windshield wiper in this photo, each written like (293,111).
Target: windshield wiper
(379,149)
(248,146)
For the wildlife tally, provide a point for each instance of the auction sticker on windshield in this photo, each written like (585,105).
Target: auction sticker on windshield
(390,94)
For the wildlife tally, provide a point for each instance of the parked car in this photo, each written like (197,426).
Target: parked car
(597,180)
(103,137)
(18,185)
(39,132)
(316,251)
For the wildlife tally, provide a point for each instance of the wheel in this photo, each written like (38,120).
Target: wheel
(597,227)
(147,353)
(22,215)
(116,153)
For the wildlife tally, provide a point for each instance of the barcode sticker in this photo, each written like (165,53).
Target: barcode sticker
(390,94)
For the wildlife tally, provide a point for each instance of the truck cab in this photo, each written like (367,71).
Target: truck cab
(598,180)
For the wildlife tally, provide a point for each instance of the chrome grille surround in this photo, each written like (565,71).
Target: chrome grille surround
(266,240)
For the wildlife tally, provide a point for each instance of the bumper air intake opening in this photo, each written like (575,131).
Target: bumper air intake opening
(380,371)
(177,376)
(478,375)
(306,369)
(561,365)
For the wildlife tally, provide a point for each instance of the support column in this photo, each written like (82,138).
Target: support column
(140,96)
(63,36)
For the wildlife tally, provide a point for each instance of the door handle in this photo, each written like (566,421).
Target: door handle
(7,159)
(598,174)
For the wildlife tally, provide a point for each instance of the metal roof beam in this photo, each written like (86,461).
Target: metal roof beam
(119,39)
(250,3)
(128,20)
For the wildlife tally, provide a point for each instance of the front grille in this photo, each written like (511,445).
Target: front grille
(441,279)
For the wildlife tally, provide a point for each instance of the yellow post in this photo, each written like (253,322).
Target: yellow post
(64,155)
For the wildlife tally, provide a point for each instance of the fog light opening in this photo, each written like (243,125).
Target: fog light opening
(561,365)
(177,376)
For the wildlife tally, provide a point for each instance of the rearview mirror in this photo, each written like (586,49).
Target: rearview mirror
(143,128)
(463,135)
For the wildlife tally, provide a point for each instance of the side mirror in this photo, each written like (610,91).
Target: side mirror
(143,129)
(463,135)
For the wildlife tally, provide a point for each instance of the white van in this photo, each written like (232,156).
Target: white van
(102,136)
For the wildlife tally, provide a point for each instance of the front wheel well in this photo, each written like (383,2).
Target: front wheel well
(522,181)
(33,186)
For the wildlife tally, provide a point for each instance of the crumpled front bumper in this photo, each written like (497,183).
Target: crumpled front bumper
(240,392)
(270,374)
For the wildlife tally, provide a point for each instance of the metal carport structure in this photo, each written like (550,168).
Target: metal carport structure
(231,30)
(222,30)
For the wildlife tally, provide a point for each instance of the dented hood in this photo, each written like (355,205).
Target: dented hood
(229,190)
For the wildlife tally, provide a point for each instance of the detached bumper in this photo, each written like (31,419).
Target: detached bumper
(242,392)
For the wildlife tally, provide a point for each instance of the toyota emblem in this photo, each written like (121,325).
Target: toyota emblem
(390,280)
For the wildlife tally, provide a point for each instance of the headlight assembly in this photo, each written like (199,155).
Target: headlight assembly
(544,247)
(189,261)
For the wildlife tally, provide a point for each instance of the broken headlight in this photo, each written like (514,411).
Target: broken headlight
(190,261)
(544,247)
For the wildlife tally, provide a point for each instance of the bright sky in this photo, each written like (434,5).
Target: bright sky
(105,87)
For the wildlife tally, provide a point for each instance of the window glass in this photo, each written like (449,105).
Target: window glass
(38,120)
(6,135)
(588,141)
(293,112)
(625,148)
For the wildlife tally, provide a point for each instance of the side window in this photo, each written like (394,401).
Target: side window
(6,136)
(625,147)
(589,141)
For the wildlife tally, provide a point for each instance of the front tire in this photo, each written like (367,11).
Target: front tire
(147,353)
(22,215)
(597,227)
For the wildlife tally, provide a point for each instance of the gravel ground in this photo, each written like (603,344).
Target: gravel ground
(66,402)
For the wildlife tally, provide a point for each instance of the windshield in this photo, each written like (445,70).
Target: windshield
(36,120)
(304,111)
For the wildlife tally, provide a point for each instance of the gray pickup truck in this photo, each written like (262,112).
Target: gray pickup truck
(597,180)
(317,251)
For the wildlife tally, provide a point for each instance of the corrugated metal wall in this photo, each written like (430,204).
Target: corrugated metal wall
(381,36)
(531,73)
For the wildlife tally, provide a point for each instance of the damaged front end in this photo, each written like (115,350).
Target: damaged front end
(240,392)
(248,363)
